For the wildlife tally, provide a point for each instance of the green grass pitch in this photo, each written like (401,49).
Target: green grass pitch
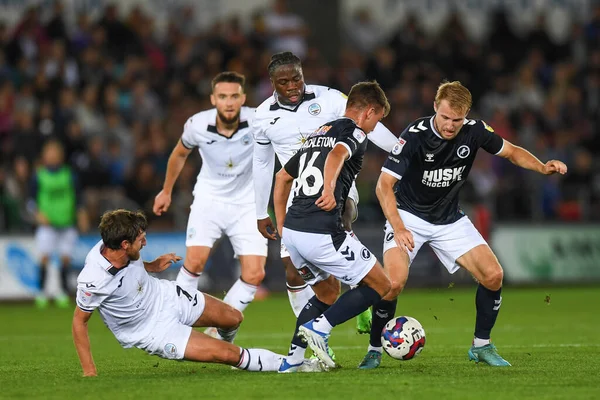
(549,335)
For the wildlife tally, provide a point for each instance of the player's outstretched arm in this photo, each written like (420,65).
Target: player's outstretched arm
(162,262)
(524,159)
(281,192)
(333,166)
(82,341)
(387,200)
(162,201)
(382,137)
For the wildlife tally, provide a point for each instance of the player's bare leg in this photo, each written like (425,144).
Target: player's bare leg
(299,292)
(326,293)
(395,265)
(204,348)
(350,214)
(193,265)
(484,266)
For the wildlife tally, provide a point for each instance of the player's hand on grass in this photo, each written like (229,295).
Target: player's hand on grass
(404,239)
(162,201)
(90,371)
(327,200)
(555,166)
(163,262)
(266,228)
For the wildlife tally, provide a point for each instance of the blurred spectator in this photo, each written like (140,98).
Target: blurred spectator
(116,94)
(285,31)
(362,32)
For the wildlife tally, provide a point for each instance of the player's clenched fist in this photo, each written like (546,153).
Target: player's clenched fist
(162,201)
(555,166)
(404,239)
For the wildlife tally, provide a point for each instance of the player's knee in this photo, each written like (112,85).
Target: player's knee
(292,277)
(396,287)
(235,318)
(493,280)
(384,287)
(194,263)
(254,276)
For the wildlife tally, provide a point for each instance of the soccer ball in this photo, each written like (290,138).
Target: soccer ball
(403,338)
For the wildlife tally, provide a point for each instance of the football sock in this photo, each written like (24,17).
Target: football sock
(377,349)
(480,342)
(312,310)
(258,360)
(299,296)
(382,313)
(488,304)
(240,295)
(187,279)
(64,278)
(227,335)
(349,305)
(43,273)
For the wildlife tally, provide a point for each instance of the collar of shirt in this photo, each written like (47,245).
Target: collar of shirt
(292,107)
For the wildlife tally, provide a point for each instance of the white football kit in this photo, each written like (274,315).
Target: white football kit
(151,314)
(281,130)
(224,193)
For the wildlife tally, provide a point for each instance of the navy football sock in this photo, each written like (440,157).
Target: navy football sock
(382,313)
(350,304)
(488,305)
(311,310)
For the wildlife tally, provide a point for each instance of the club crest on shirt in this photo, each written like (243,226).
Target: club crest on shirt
(314,109)
(463,151)
(246,139)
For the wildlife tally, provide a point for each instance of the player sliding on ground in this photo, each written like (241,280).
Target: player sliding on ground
(152,314)
(321,249)
(418,191)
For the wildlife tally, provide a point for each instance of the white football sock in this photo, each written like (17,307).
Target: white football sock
(480,342)
(240,295)
(295,355)
(259,360)
(377,349)
(299,296)
(187,279)
(321,324)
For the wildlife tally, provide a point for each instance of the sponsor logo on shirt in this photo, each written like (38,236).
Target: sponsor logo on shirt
(442,177)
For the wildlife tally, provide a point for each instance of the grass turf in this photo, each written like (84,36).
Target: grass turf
(549,335)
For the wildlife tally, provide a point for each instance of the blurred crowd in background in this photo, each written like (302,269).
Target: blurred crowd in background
(117,96)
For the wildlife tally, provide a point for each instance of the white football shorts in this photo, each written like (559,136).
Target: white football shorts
(211,218)
(448,242)
(49,240)
(179,310)
(316,258)
(352,194)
